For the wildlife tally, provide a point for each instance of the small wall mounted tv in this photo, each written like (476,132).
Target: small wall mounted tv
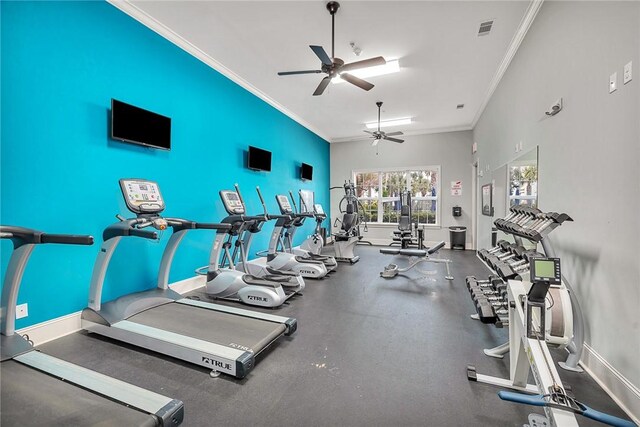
(138,126)
(306,172)
(259,160)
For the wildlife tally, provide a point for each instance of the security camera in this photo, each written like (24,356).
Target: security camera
(555,108)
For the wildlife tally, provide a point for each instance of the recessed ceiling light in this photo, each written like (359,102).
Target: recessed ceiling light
(389,123)
(460,106)
(392,66)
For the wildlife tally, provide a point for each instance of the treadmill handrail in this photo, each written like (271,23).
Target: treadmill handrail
(24,236)
(24,241)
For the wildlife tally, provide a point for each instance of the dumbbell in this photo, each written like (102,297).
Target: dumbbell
(493,296)
(484,252)
(491,281)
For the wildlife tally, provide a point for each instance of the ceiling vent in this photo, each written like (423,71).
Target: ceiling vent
(485,28)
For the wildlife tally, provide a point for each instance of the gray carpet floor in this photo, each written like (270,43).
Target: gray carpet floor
(368,352)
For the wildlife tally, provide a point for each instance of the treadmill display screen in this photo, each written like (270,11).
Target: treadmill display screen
(318,208)
(142,196)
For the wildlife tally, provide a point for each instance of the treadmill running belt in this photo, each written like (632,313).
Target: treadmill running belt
(221,328)
(30,397)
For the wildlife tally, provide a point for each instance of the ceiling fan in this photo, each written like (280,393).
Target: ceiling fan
(335,67)
(378,135)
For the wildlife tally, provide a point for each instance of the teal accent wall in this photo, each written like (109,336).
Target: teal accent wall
(62,62)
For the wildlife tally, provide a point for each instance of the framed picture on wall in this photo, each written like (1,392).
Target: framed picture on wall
(487,200)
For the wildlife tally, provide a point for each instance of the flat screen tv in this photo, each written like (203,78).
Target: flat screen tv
(306,172)
(138,126)
(259,160)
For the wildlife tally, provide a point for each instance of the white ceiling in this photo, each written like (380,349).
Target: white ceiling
(443,61)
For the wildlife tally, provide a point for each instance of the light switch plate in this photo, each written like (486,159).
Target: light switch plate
(613,82)
(628,75)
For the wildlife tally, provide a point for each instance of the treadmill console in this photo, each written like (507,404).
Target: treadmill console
(232,202)
(283,203)
(141,196)
(318,209)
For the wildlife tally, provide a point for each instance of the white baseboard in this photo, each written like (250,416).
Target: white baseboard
(190,284)
(619,388)
(50,330)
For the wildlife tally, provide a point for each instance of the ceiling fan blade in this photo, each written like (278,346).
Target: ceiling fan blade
(322,86)
(356,81)
(289,73)
(322,54)
(394,140)
(394,133)
(372,62)
(369,132)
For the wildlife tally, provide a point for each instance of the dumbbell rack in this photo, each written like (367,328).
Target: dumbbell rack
(524,222)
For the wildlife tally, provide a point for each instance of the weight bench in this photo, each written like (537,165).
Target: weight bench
(423,255)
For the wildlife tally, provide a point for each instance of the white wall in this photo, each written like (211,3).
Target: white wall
(589,163)
(451,151)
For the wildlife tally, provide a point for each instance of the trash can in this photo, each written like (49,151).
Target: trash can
(458,237)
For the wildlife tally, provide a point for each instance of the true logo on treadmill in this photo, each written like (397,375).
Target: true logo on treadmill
(216,363)
(307,271)
(255,298)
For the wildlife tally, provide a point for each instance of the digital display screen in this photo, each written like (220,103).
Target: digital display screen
(545,268)
(259,159)
(318,209)
(306,172)
(142,196)
(133,124)
(283,201)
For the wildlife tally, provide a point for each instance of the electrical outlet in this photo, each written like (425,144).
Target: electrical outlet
(22,310)
(627,73)
(613,82)
(521,146)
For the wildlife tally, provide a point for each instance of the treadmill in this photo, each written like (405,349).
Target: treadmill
(37,389)
(222,338)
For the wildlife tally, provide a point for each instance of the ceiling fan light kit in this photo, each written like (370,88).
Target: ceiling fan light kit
(379,135)
(335,67)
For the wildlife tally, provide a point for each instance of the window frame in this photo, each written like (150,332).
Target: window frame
(381,199)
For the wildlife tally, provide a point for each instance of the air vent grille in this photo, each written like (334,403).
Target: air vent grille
(485,28)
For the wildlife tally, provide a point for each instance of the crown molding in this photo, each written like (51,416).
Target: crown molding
(523,28)
(150,22)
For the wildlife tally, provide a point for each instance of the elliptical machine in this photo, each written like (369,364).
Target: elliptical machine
(280,262)
(314,241)
(224,280)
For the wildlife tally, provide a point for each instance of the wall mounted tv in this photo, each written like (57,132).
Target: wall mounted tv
(138,126)
(259,160)
(306,172)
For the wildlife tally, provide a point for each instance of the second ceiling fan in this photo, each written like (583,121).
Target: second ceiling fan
(335,67)
(378,134)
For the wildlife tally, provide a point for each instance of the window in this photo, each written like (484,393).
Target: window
(379,192)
